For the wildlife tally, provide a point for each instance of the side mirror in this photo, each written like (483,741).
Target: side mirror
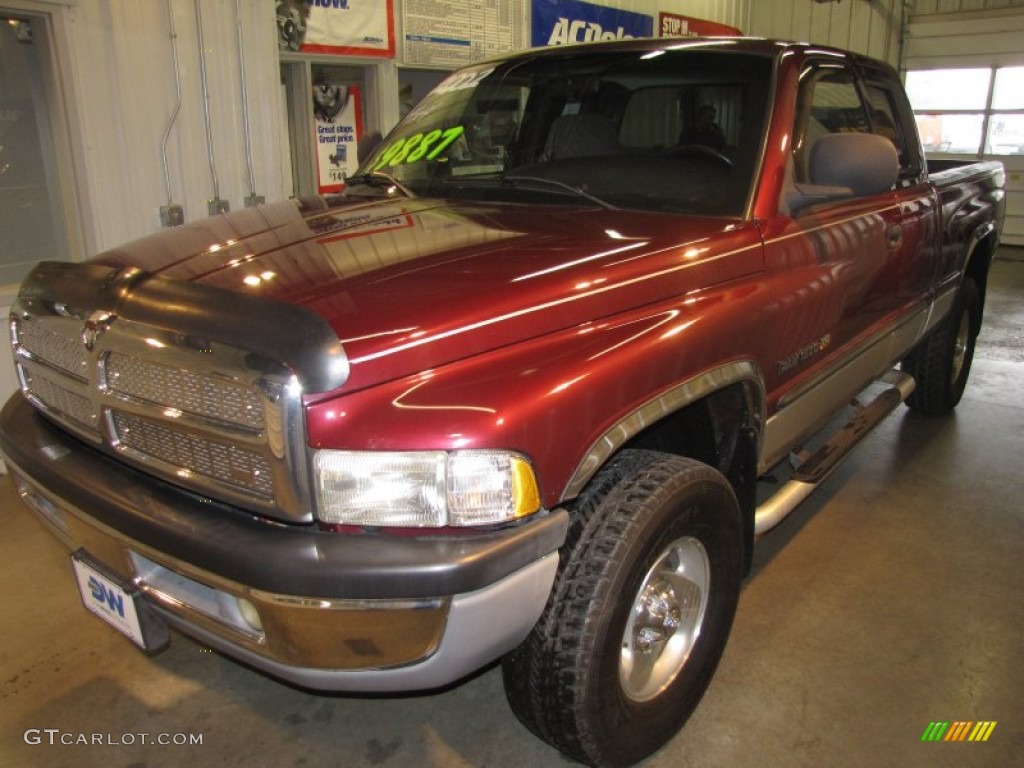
(845,165)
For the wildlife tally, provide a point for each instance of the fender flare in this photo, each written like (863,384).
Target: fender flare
(744,372)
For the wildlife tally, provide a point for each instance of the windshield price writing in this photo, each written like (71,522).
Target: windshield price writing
(419,146)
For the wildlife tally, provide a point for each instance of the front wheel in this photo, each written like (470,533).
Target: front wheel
(640,613)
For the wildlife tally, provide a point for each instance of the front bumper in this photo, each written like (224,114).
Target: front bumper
(361,612)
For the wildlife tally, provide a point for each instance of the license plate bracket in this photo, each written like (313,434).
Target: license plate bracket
(118,604)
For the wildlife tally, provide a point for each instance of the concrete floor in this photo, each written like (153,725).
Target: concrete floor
(891,599)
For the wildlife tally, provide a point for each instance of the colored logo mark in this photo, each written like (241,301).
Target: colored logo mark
(959,730)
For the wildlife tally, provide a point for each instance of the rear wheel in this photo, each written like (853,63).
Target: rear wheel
(941,363)
(640,613)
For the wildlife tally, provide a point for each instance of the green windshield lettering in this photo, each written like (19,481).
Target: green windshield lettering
(417,147)
(447,138)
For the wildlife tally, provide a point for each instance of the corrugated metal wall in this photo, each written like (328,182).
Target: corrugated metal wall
(871,27)
(958,6)
(945,40)
(122,67)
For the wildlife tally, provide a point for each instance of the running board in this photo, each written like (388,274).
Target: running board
(821,463)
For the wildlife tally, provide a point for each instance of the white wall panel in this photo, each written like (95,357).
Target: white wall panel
(871,28)
(124,89)
(956,6)
(965,39)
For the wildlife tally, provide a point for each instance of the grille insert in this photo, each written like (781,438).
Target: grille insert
(185,390)
(59,350)
(223,462)
(62,401)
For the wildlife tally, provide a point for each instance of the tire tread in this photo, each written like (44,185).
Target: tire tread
(547,676)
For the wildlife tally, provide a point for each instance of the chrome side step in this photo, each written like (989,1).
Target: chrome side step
(819,465)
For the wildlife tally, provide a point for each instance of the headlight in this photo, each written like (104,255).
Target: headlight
(423,488)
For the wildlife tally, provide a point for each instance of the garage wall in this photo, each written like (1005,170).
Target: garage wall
(957,6)
(870,27)
(968,38)
(121,65)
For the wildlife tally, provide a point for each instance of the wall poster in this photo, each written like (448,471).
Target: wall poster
(338,122)
(453,33)
(337,27)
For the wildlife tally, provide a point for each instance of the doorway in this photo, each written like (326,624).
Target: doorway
(33,223)
(326,104)
(38,209)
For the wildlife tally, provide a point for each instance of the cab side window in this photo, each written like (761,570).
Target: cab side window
(828,102)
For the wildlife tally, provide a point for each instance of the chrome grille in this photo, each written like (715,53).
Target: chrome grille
(58,349)
(63,401)
(210,417)
(184,390)
(221,461)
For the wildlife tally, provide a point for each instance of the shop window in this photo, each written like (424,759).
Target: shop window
(969,111)
(1006,125)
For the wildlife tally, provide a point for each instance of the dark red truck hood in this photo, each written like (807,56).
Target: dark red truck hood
(413,284)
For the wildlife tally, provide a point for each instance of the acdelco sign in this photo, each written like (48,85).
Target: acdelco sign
(567,32)
(564,22)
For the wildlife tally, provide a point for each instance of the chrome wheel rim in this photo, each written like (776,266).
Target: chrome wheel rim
(665,619)
(960,344)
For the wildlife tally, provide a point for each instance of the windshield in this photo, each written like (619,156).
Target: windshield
(657,130)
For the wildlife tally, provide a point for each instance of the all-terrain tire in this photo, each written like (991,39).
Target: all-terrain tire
(642,606)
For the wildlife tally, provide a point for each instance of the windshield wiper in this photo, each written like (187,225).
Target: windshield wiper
(379,180)
(517,181)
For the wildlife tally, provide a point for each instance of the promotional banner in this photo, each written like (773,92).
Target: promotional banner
(565,22)
(674,25)
(337,27)
(338,122)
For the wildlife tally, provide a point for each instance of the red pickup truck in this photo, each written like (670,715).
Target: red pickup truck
(512,393)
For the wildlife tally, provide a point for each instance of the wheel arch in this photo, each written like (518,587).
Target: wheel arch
(980,253)
(716,417)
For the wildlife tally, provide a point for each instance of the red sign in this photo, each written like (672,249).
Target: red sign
(674,25)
